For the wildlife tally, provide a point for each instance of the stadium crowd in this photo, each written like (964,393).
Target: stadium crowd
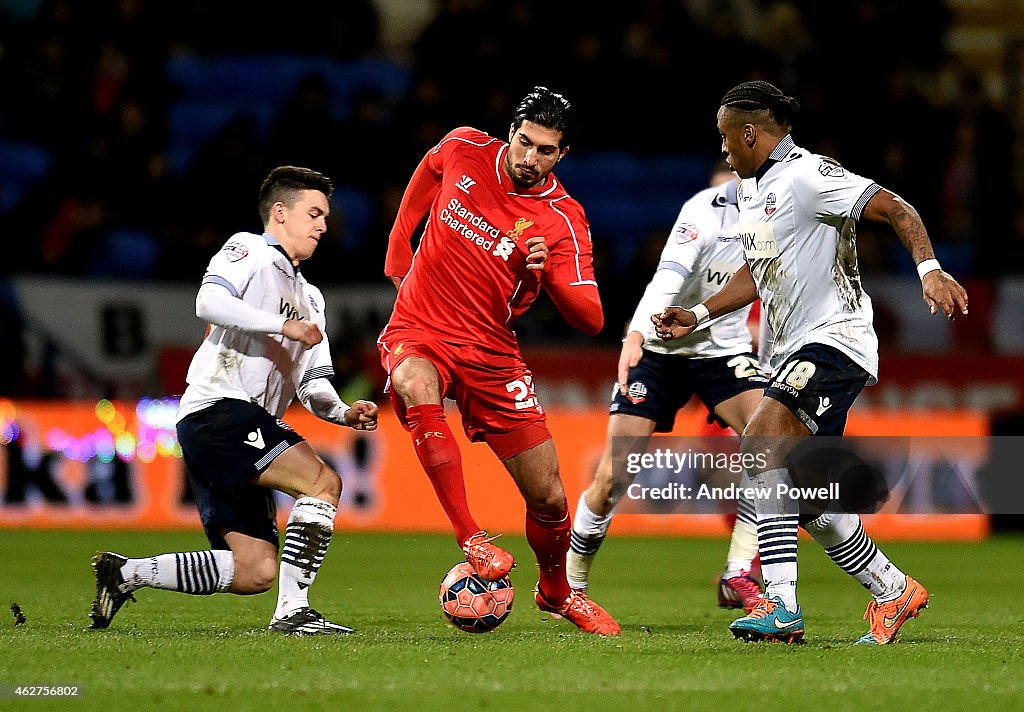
(92,94)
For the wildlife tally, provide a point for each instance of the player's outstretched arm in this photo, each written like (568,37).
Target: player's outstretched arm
(677,322)
(320,399)
(216,305)
(939,289)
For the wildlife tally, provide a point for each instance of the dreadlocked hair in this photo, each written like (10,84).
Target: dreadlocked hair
(762,96)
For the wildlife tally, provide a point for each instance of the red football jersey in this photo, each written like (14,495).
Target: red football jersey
(468,280)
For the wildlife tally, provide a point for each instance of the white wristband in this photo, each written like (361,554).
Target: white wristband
(927,266)
(701,312)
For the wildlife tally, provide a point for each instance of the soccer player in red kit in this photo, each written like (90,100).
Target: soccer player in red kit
(499,227)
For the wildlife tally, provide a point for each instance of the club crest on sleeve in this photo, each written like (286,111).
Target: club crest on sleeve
(686,232)
(830,168)
(235,251)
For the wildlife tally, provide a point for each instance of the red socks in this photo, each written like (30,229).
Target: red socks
(549,539)
(441,460)
(439,455)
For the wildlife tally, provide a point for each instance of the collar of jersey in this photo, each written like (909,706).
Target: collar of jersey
(781,151)
(272,241)
(727,195)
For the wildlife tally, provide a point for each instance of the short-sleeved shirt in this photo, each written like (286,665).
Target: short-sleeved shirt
(266,369)
(797,225)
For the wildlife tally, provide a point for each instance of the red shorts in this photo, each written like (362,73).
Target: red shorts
(494,391)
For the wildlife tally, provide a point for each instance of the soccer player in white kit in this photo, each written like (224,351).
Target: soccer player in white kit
(266,345)
(798,214)
(656,378)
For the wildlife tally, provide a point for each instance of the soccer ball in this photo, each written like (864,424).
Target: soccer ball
(472,604)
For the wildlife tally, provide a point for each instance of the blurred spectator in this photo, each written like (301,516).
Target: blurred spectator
(365,146)
(89,84)
(977,178)
(213,213)
(304,133)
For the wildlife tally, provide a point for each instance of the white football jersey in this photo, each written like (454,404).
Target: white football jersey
(703,251)
(798,227)
(265,369)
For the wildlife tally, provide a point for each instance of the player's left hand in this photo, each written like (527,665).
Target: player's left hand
(673,323)
(362,415)
(538,255)
(943,292)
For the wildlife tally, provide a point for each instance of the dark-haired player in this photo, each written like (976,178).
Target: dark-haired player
(499,228)
(267,344)
(798,214)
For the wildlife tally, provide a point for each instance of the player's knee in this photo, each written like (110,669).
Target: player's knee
(257,577)
(548,504)
(326,484)
(415,385)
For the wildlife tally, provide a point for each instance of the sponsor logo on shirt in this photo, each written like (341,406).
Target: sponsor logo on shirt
(686,232)
(289,311)
(717,274)
(758,241)
(465,183)
(235,251)
(471,226)
(481,233)
(769,204)
(505,248)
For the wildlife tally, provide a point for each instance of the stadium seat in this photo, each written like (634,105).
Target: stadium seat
(347,78)
(194,123)
(126,254)
(356,210)
(250,80)
(22,165)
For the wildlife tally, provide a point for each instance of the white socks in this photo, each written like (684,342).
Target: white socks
(197,572)
(588,529)
(843,537)
(777,525)
(743,543)
(306,537)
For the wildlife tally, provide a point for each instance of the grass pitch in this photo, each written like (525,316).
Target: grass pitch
(172,651)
